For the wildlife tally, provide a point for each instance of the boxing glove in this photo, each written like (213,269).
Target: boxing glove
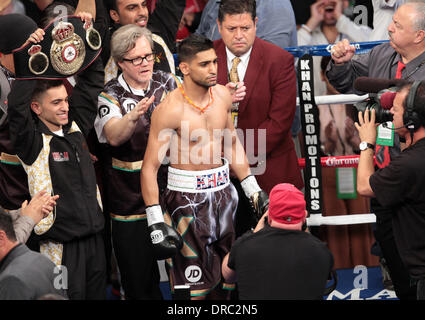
(258,198)
(165,240)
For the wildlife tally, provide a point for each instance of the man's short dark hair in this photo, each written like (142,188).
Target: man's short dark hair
(419,101)
(232,7)
(193,44)
(6,225)
(42,86)
(111,5)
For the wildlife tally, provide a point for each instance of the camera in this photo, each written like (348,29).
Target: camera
(382,102)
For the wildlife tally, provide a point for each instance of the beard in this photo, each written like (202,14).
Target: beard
(205,83)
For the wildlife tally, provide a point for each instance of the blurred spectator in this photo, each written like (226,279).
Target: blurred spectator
(301,10)
(328,24)
(383,11)
(192,8)
(11,6)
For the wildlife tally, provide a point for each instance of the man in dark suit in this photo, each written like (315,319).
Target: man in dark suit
(25,274)
(268,74)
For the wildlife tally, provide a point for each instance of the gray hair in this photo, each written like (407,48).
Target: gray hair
(125,38)
(419,21)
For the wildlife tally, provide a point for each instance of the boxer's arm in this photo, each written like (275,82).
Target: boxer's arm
(163,125)
(233,149)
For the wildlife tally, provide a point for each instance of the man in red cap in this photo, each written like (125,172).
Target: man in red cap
(278,260)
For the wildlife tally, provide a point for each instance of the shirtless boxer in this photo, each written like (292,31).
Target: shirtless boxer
(194,126)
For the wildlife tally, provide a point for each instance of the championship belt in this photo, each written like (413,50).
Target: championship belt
(69,46)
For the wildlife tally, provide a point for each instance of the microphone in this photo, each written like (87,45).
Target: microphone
(386,99)
(374,85)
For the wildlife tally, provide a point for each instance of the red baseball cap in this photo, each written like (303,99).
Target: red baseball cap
(287,204)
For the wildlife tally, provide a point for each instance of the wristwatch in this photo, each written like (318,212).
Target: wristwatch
(364,145)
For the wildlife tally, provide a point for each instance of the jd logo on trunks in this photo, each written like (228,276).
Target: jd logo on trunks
(213,180)
(193,273)
(60,156)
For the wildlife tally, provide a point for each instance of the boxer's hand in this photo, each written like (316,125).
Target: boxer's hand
(165,240)
(258,198)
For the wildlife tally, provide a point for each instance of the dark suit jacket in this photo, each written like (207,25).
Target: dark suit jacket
(270,104)
(26,275)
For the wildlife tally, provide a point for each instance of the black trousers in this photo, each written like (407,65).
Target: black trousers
(420,284)
(137,266)
(85,263)
(385,237)
(244,217)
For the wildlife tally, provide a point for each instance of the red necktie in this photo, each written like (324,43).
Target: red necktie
(382,153)
(400,67)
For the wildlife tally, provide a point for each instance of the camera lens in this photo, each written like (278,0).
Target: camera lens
(381,115)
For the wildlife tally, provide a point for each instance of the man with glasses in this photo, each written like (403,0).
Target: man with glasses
(123,121)
(163,22)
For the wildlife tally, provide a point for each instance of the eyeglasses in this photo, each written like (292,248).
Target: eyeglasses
(139,60)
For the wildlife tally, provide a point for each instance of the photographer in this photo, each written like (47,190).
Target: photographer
(402,58)
(264,273)
(400,184)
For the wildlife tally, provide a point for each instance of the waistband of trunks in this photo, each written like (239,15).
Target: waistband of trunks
(199,181)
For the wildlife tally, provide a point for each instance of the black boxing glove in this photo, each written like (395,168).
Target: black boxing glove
(258,198)
(166,241)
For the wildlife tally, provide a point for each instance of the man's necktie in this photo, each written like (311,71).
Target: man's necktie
(234,77)
(382,153)
(400,67)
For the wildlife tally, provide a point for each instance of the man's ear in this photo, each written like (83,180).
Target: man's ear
(36,107)
(119,65)
(184,68)
(3,238)
(219,26)
(420,36)
(114,16)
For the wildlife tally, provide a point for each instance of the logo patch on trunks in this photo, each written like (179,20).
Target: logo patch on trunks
(212,180)
(193,273)
(60,156)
